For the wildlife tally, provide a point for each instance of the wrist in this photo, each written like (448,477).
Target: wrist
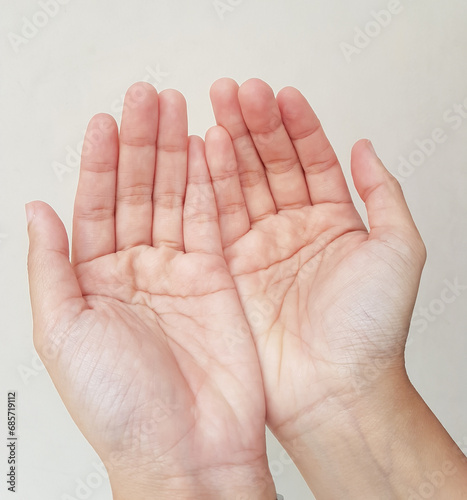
(384,444)
(355,400)
(246,483)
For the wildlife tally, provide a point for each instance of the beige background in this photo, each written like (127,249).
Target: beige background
(403,84)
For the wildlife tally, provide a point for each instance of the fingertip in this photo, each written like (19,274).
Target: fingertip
(195,151)
(140,94)
(37,210)
(220,152)
(30,212)
(255,92)
(173,97)
(52,281)
(223,86)
(259,108)
(292,104)
(216,133)
(288,93)
(47,234)
(380,191)
(253,83)
(367,168)
(195,141)
(363,147)
(173,120)
(100,128)
(140,89)
(102,121)
(362,155)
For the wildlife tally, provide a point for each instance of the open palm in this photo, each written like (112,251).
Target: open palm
(328,302)
(135,332)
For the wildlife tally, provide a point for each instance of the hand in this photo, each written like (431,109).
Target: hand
(324,297)
(329,303)
(134,332)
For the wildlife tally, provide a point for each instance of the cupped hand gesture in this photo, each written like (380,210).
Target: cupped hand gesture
(209,294)
(328,303)
(135,330)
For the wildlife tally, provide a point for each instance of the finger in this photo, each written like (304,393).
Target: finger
(200,222)
(324,176)
(171,167)
(94,212)
(255,187)
(136,164)
(231,208)
(388,213)
(283,169)
(54,289)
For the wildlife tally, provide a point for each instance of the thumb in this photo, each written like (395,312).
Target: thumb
(55,293)
(388,213)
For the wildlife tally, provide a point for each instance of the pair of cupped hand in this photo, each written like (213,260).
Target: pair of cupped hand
(218,286)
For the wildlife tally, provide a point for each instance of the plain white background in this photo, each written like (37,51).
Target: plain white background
(398,86)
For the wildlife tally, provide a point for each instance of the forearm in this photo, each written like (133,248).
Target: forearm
(389,446)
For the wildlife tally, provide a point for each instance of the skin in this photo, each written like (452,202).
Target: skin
(210,293)
(333,297)
(134,331)
(328,302)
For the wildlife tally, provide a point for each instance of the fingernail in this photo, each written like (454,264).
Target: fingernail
(30,212)
(372,149)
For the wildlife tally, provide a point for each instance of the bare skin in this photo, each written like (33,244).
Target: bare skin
(134,332)
(335,297)
(328,302)
(201,303)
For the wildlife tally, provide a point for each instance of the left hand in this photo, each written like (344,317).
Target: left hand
(325,298)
